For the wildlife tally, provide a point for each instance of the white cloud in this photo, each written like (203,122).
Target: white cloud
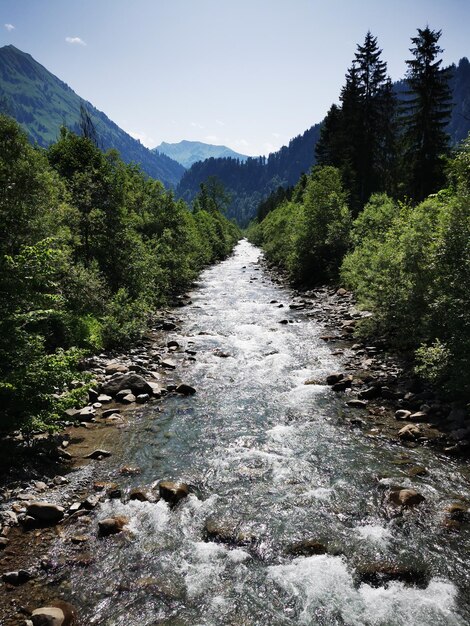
(196,125)
(146,140)
(276,135)
(212,138)
(219,123)
(9,27)
(75,41)
(269,147)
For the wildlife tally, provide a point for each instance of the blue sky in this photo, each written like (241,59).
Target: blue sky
(250,74)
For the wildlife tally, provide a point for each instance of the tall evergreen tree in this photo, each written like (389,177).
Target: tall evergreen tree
(425,115)
(359,137)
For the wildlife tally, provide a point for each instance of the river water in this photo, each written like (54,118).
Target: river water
(276,460)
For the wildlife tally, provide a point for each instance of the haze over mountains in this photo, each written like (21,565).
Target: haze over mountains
(189,152)
(42,103)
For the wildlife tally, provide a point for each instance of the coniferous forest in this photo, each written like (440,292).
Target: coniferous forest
(90,248)
(386,212)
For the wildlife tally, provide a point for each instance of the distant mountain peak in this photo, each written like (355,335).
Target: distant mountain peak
(188,152)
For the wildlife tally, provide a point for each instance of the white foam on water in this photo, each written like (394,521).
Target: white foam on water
(375,534)
(237,555)
(319,493)
(324,586)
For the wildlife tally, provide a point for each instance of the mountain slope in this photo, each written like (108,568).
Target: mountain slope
(251,181)
(189,152)
(42,103)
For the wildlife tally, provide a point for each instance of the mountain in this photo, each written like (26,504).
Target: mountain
(250,182)
(189,152)
(42,103)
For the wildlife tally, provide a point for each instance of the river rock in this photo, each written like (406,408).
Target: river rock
(405,497)
(402,414)
(167,364)
(342,385)
(357,404)
(173,492)
(87,414)
(379,574)
(185,390)
(227,531)
(109,412)
(116,368)
(332,379)
(141,494)
(59,613)
(136,383)
(410,432)
(45,511)
(111,525)
(98,454)
(142,398)
(17,578)
(369,393)
(419,416)
(129,470)
(307,547)
(128,398)
(104,399)
(458,512)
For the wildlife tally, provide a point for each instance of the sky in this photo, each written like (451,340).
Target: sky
(248,74)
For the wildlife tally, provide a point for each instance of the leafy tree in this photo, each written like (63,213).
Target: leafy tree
(425,116)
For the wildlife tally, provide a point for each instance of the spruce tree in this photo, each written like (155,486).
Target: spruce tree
(425,116)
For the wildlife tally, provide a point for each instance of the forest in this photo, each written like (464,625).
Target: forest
(90,248)
(386,213)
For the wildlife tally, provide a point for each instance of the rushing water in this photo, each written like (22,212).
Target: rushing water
(277,460)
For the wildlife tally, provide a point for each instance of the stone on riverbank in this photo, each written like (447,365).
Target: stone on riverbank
(45,511)
(59,613)
(137,384)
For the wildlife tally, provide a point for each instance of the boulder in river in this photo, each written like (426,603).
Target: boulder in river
(173,492)
(307,547)
(379,574)
(45,511)
(227,531)
(111,525)
(185,390)
(405,497)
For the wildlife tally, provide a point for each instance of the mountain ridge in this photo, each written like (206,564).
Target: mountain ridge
(188,152)
(42,103)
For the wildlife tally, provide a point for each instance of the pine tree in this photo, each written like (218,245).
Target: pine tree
(425,116)
(359,137)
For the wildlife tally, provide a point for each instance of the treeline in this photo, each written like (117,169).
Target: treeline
(247,183)
(394,224)
(89,248)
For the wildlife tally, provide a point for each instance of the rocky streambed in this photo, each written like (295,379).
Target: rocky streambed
(248,463)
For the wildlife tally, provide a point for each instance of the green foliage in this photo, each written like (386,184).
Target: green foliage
(309,234)
(92,247)
(410,266)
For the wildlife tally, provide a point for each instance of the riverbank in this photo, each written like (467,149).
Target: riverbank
(378,385)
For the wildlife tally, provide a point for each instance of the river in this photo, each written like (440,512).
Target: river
(275,460)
